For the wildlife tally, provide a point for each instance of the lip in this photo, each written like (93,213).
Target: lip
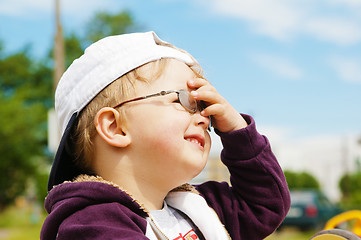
(199,138)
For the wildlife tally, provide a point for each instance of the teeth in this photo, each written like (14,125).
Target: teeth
(193,140)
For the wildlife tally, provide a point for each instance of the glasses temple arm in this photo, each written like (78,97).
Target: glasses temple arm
(144,97)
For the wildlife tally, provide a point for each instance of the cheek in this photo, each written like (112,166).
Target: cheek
(167,136)
(162,131)
(208,143)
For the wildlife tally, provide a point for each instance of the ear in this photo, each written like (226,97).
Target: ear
(110,129)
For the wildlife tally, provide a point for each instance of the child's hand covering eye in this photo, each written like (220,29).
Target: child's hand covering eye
(224,117)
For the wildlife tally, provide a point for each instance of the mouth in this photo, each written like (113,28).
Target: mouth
(196,139)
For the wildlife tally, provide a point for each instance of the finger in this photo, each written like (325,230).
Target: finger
(196,83)
(210,96)
(213,110)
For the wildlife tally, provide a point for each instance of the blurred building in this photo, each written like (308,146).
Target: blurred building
(214,170)
(326,158)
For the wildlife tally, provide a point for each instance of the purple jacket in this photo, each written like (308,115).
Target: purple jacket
(251,209)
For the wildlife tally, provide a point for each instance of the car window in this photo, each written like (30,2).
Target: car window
(302,197)
(324,201)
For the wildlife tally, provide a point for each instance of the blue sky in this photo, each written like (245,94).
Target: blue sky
(294,65)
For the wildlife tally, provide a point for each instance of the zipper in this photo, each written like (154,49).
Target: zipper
(159,234)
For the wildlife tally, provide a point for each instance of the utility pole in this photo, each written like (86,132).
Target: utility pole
(59,57)
(59,60)
(345,155)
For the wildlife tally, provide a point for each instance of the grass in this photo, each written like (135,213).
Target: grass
(30,233)
(291,233)
(17,223)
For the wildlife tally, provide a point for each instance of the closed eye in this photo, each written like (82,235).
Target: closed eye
(176,100)
(179,105)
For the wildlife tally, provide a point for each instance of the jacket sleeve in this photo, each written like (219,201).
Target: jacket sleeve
(103,222)
(258,200)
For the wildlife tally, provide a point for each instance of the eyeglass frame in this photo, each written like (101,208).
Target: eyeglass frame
(163,93)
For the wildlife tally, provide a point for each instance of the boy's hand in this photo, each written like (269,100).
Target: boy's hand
(224,117)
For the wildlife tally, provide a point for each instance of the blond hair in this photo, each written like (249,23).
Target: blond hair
(120,90)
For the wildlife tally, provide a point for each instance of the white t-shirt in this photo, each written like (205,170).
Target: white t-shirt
(174,224)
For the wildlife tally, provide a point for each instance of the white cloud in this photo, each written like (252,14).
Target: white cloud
(25,7)
(348,69)
(280,66)
(275,18)
(69,8)
(351,3)
(276,135)
(88,7)
(336,30)
(284,20)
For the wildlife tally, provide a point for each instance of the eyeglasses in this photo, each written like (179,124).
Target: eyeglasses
(184,98)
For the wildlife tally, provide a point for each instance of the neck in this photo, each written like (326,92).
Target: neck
(151,194)
(142,190)
(144,185)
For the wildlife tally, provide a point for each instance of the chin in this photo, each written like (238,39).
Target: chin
(197,170)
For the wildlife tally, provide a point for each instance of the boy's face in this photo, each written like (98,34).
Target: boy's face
(171,143)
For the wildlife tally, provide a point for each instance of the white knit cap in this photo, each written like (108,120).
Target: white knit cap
(102,63)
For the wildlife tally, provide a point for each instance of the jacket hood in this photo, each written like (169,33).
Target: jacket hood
(89,190)
(69,197)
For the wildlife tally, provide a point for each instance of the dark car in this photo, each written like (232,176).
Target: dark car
(310,209)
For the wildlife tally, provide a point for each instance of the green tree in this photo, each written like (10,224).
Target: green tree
(350,185)
(104,24)
(101,25)
(25,94)
(301,180)
(73,48)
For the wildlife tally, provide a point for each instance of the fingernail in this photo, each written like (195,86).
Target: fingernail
(194,93)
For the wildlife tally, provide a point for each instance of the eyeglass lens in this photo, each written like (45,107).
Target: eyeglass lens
(187,101)
(191,104)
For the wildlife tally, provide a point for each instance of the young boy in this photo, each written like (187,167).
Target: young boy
(135,113)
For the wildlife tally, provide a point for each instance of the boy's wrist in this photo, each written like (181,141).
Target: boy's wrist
(239,124)
(233,122)
(241,121)
(247,142)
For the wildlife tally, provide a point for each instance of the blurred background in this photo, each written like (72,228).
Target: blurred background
(295,66)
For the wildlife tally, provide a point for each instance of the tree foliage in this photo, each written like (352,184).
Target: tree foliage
(101,25)
(104,24)
(350,186)
(301,180)
(26,95)
(73,48)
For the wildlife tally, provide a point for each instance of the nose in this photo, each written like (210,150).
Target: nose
(202,121)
